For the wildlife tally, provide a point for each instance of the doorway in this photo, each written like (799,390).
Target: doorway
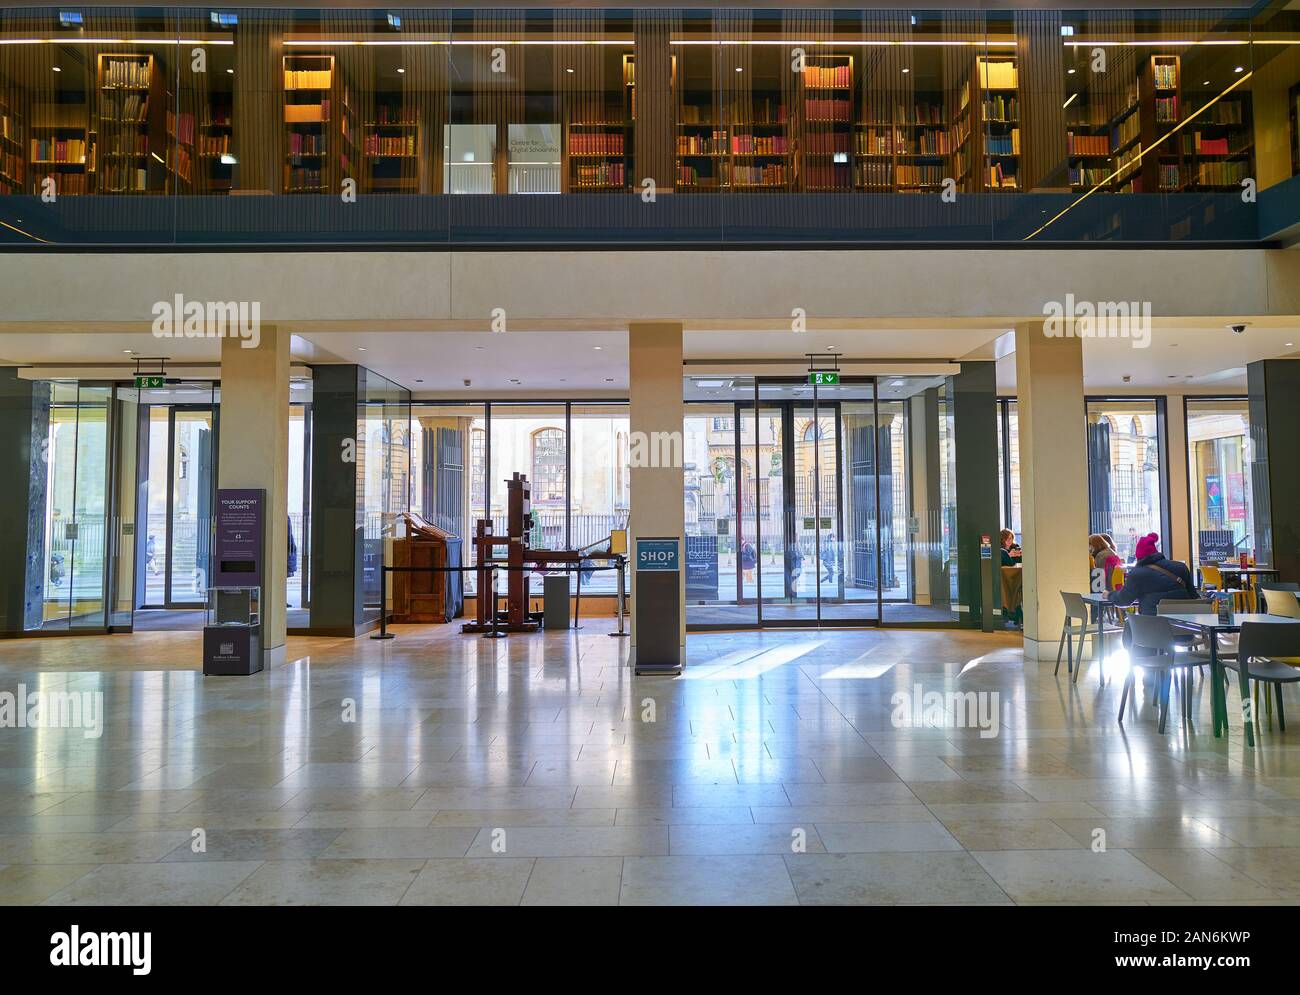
(176,467)
(819,505)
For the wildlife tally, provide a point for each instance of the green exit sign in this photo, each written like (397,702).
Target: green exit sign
(823,379)
(144,383)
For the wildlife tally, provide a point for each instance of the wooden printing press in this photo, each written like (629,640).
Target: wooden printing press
(421,596)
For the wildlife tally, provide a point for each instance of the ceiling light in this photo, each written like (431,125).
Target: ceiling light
(128,351)
(568,70)
(230,72)
(895,383)
(598,347)
(56,69)
(227,159)
(710,384)
(1070,72)
(1206,83)
(1238,69)
(739,69)
(400,69)
(1289,344)
(907,70)
(361,348)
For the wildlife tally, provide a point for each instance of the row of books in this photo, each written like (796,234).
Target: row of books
(128,107)
(58,150)
(125,178)
(765,111)
(832,109)
(714,143)
(65,184)
(129,72)
(921,114)
(1087,144)
(180,162)
(1223,112)
(873,174)
(181,127)
(933,143)
(604,174)
(1003,144)
(833,177)
(919,175)
(1167,109)
(1169,176)
(827,76)
(389,145)
(214,144)
(1165,75)
(1198,144)
(1088,176)
(1126,131)
(134,144)
(760,144)
(1000,178)
(1002,108)
(303,143)
(307,113)
(11,166)
(390,114)
(1001,75)
(301,178)
(308,79)
(10,127)
(826,142)
(596,143)
(214,116)
(1221,174)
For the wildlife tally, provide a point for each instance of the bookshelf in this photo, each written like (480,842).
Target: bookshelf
(825,150)
(997,123)
(60,145)
(216,150)
(128,146)
(391,147)
(321,141)
(13,163)
(703,142)
(1216,148)
(599,138)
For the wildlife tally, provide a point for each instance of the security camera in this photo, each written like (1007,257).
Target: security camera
(1239,328)
(468,382)
(1128,378)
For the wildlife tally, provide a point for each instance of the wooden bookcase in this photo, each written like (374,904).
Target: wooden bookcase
(391,147)
(598,146)
(995,124)
(216,143)
(61,146)
(129,150)
(13,138)
(322,131)
(825,141)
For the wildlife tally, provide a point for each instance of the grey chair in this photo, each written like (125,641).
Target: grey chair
(1263,589)
(1168,657)
(1175,606)
(1077,608)
(1264,648)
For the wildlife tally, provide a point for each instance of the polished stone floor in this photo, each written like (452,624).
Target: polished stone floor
(780,769)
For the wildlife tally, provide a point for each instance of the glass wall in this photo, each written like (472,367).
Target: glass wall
(1009,464)
(431,125)
(574,454)
(1127,493)
(383,470)
(1219,454)
(298,565)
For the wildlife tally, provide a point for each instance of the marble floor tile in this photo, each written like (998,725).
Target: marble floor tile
(574,881)
(470,882)
(711,880)
(204,883)
(326,882)
(397,843)
(886,837)
(891,879)
(1074,876)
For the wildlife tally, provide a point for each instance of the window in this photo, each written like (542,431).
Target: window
(1219,454)
(548,466)
(1126,487)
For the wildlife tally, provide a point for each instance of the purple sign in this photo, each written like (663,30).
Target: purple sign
(238,552)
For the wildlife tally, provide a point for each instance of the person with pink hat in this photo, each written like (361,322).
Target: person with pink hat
(1153,578)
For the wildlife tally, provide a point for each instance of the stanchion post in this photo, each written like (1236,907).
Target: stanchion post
(383,604)
(620,564)
(494,633)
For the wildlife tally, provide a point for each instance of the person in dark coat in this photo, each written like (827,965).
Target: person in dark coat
(1153,579)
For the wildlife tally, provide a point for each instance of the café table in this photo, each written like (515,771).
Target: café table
(1244,575)
(1100,602)
(1211,627)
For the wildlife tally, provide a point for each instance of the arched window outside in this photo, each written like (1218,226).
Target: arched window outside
(548,466)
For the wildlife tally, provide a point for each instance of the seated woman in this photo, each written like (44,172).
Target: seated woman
(1153,578)
(1010,548)
(1104,558)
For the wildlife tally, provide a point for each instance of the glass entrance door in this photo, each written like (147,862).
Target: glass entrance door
(177,474)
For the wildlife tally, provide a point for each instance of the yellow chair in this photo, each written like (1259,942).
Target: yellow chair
(1213,577)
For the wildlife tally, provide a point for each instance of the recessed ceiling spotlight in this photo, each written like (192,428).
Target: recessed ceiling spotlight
(361,348)
(598,347)
(568,70)
(1288,345)
(56,69)
(907,70)
(230,72)
(740,69)
(1206,83)
(1238,69)
(128,351)
(1070,72)
(400,70)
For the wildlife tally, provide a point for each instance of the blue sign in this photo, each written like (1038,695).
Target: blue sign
(702,567)
(657,554)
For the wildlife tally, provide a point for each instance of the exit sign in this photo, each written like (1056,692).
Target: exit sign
(144,383)
(823,379)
